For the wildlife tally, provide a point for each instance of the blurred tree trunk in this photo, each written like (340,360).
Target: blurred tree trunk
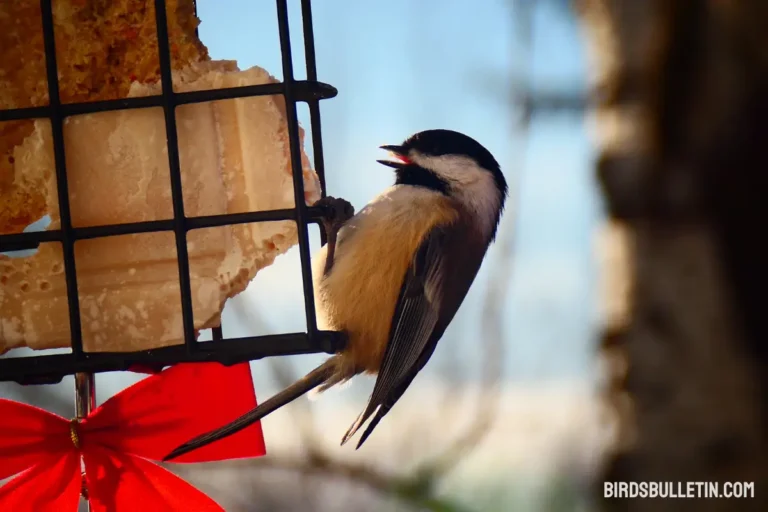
(682,126)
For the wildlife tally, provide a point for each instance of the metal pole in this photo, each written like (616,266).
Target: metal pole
(85,402)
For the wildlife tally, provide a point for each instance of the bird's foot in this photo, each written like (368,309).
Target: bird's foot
(336,212)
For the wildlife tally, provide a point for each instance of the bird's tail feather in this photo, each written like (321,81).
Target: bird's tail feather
(313,379)
(370,408)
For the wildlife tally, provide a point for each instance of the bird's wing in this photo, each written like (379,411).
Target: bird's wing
(421,315)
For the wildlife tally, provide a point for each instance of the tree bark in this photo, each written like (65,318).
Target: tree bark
(681,117)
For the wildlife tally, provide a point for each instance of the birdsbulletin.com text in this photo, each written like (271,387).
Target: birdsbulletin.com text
(679,489)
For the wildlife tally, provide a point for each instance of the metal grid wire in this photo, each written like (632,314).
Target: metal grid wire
(51,368)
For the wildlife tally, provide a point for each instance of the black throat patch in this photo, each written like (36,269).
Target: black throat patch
(420,177)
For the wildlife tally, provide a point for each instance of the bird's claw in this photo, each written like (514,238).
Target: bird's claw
(336,212)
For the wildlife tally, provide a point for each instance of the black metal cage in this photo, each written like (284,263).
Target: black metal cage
(51,368)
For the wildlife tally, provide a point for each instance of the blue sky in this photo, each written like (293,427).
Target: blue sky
(402,66)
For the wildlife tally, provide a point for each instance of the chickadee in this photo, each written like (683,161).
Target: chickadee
(393,276)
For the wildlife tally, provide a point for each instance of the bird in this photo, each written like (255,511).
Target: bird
(392,276)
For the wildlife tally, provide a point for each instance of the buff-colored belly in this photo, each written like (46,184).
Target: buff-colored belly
(375,249)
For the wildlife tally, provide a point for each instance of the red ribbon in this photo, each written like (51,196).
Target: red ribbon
(144,421)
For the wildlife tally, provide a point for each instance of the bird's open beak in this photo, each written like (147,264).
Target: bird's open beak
(399,153)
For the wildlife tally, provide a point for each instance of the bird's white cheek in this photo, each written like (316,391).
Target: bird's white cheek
(474,186)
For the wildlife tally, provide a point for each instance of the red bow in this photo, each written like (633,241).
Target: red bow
(144,421)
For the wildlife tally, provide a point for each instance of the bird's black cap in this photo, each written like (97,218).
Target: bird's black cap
(448,142)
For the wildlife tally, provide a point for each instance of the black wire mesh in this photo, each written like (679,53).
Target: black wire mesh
(51,368)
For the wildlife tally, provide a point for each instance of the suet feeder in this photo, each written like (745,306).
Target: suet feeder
(169,181)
